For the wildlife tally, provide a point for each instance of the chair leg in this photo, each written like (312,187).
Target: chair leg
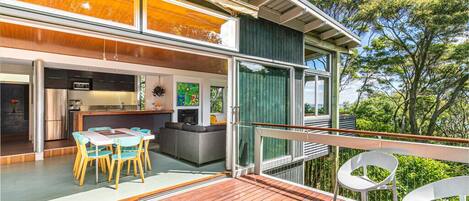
(82,179)
(108,164)
(135,167)
(394,190)
(75,163)
(364,196)
(140,169)
(148,160)
(128,167)
(80,167)
(111,170)
(118,172)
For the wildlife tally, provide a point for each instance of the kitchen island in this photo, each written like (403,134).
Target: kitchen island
(149,119)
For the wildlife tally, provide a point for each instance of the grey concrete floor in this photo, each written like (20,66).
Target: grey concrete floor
(52,178)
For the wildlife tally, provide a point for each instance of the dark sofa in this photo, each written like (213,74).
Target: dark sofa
(197,144)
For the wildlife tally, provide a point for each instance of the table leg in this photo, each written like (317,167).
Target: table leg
(96,164)
(145,155)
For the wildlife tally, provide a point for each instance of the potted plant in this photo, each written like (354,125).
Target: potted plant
(13,103)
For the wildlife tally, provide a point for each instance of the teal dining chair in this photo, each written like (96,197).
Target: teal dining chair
(86,156)
(132,156)
(145,147)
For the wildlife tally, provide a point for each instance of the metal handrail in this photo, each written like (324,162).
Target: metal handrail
(371,133)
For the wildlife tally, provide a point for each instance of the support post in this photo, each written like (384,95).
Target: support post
(335,86)
(257,151)
(38,85)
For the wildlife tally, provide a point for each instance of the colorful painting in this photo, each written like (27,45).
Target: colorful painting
(187,94)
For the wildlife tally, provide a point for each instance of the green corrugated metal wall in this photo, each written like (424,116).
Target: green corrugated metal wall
(264,96)
(262,38)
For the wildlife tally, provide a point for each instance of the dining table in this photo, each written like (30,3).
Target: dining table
(104,138)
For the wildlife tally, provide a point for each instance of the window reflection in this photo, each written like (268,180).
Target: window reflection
(316,95)
(121,11)
(166,17)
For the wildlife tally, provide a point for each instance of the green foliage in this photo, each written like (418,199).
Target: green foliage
(216,99)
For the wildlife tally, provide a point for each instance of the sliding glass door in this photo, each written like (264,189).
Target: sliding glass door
(263,95)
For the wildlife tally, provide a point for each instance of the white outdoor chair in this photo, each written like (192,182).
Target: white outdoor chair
(456,186)
(363,184)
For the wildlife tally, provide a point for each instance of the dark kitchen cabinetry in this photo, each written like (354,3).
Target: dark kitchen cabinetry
(55,78)
(63,79)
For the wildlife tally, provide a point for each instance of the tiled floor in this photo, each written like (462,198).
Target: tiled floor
(52,179)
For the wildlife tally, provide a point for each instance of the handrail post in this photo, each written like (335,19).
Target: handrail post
(257,151)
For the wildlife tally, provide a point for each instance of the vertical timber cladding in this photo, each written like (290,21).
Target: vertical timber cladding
(262,38)
(264,96)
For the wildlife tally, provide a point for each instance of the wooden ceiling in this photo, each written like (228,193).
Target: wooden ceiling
(121,11)
(36,39)
(169,18)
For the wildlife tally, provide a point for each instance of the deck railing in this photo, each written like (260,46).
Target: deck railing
(423,159)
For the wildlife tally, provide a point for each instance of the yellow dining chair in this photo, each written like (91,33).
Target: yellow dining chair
(121,157)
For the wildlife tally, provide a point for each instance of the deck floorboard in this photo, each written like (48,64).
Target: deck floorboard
(252,188)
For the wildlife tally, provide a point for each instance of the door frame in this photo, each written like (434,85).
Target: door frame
(233,110)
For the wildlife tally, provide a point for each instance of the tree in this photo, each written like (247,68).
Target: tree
(417,55)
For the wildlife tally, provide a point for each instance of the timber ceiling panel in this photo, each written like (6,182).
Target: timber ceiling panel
(43,40)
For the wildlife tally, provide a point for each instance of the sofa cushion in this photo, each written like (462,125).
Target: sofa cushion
(215,128)
(173,125)
(193,128)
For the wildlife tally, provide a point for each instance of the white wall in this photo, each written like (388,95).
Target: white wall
(104,97)
(167,83)
(204,95)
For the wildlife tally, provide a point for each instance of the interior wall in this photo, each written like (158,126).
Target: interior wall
(166,81)
(104,97)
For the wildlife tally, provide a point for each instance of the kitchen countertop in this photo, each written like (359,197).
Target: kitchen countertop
(122,112)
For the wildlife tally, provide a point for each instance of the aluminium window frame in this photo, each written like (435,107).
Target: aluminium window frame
(197,8)
(319,73)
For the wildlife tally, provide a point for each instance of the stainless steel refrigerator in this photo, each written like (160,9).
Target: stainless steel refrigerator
(55,114)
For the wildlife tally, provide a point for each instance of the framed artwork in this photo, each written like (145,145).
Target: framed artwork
(187,94)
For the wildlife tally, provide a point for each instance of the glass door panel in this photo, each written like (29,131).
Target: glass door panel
(263,96)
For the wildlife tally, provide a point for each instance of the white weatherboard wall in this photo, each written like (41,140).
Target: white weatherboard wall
(167,83)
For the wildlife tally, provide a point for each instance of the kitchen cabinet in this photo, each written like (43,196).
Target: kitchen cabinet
(55,78)
(63,79)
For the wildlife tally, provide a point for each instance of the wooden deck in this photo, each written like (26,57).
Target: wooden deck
(251,187)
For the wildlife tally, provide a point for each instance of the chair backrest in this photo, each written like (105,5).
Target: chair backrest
(128,142)
(81,142)
(135,129)
(455,186)
(373,158)
(146,131)
(104,128)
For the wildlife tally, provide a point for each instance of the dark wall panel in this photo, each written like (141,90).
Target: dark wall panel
(262,38)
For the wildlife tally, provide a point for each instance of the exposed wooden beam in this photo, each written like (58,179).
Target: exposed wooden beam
(291,14)
(343,40)
(315,24)
(329,34)
(259,3)
(274,16)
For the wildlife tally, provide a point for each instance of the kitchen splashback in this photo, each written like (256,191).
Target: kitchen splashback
(104,97)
